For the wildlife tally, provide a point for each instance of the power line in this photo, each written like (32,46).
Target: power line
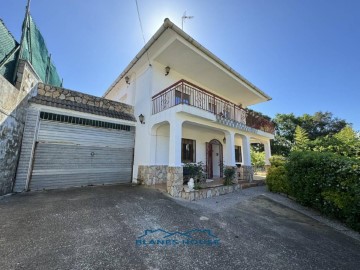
(142,30)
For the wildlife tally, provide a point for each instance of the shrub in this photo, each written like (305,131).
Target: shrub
(229,174)
(276,179)
(195,171)
(327,182)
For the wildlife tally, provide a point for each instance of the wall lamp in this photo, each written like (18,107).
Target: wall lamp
(167,70)
(127,79)
(142,119)
(224,140)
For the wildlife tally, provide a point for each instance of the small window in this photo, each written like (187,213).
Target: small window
(238,156)
(188,151)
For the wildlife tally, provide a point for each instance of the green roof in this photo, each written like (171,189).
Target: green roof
(8,45)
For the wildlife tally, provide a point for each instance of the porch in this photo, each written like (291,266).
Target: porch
(182,141)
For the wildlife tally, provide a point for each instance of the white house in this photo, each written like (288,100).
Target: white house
(192,108)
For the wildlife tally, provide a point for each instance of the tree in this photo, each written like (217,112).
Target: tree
(345,143)
(319,125)
(301,139)
(257,158)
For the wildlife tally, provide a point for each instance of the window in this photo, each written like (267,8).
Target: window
(188,151)
(238,156)
(81,121)
(185,98)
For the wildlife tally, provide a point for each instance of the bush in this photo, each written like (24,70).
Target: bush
(276,179)
(327,182)
(195,171)
(229,174)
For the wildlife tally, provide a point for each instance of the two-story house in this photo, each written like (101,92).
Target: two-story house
(191,108)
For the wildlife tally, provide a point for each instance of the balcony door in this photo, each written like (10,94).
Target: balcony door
(184,100)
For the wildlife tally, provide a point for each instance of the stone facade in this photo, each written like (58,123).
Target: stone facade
(208,192)
(81,98)
(26,77)
(13,104)
(161,174)
(175,180)
(235,178)
(247,173)
(152,175)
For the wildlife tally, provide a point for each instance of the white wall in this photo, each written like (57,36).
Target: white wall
(201,136)
(162,145)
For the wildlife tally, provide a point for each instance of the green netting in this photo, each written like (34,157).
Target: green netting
(8,58)
(34,50)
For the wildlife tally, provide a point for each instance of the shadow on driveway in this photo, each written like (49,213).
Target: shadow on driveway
(97,228)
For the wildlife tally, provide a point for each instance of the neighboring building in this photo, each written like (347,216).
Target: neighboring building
(52,137)
(192,106)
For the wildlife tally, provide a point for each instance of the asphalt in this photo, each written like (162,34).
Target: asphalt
(100,228)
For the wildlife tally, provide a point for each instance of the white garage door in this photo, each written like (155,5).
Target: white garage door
(73,151)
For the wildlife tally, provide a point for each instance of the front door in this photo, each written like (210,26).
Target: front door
(214,159)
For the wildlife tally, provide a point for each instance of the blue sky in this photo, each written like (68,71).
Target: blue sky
(304,54)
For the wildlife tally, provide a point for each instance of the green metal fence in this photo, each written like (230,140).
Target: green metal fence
(33,49)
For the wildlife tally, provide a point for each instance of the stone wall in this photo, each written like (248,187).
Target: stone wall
(13,104)
(81,98)
(195,195)
(246,173)
(151,175)
(161,174)
(174,184)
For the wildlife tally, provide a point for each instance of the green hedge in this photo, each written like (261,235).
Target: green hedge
(276,179)
(325,181)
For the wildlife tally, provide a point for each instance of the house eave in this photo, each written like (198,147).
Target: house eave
(170,25)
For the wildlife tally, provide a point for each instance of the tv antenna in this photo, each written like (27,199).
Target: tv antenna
(183,18)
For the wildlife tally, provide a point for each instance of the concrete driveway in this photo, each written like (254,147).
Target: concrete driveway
(105,228)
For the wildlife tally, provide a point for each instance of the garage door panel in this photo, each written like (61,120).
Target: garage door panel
(69,155)
(58,155)
(76,180)
(84,135)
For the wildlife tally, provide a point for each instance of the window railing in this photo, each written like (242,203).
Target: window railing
(184,92)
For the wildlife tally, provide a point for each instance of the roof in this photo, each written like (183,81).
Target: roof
(170,25)
(8,52)
(71,105)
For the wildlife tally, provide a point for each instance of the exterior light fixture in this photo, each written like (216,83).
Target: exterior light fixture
(224,140)
(127,79)
(142,119)
(167,70)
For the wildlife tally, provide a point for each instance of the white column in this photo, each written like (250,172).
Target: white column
(267,152)
(175,142)
(246,150)
(230,148)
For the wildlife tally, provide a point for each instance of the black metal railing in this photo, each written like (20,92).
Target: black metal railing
(184,92)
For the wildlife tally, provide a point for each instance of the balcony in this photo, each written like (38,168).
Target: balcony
(184,92)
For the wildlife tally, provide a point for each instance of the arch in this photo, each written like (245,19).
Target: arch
(213,148)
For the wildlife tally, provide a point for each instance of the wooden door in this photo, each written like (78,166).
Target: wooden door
(209,161)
